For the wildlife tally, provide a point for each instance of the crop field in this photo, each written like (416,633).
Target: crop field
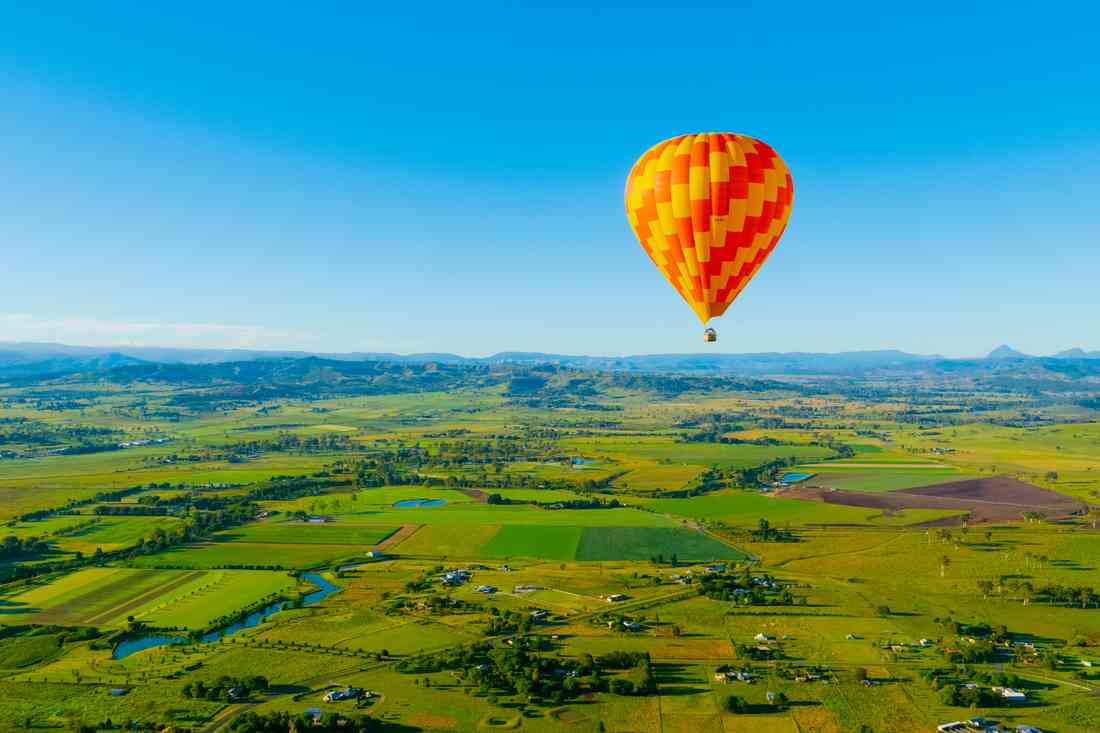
(107,596)
(743,508)
(642,543)
(532,540)
(112,533)
(215,594)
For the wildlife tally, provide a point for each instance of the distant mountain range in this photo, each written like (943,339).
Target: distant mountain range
(1007,352)
(33,359)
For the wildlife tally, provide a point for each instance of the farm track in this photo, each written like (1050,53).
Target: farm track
(861,550)
(146,597)
(405,532)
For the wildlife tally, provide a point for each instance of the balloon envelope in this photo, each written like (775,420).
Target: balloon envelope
(709,209)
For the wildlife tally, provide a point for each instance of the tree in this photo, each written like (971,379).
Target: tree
(945,561)
(860,674)
(780,701)
(736,704)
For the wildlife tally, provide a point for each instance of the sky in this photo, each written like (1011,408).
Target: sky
(420,177)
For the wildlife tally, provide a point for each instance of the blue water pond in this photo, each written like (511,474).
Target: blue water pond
(406,503)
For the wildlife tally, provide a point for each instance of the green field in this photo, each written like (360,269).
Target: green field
(605,543)
(232,554)
(523,540)
(642,543)
(307,533)
(890,477)
(105,597)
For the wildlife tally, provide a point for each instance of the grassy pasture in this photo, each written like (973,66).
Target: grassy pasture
(605,543)
(474,513)
(532,540)
(665,449)
(215,594)
(105,597)
(882,479)
(230,553)
(307,533)
(642,543)
(447,540)
(112,533)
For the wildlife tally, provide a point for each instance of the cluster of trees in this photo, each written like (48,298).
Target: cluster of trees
(508,622)
(130,510)
(390,471)
(594,502)
(964,697)
(27,431)
(71,506)
(975,652)
(328,723)
(524,669)
(13,548)
(219,689)
(1080,596)
(287,443)
(757,652)
(742,588)
(765,532)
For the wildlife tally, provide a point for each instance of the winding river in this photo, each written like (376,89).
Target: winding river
(141,643)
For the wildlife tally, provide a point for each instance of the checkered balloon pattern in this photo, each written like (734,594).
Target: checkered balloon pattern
(708,209)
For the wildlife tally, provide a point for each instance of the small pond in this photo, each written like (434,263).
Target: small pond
(406,503)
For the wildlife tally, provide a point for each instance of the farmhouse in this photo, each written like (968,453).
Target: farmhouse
(345,694)
(455,577)
(1010,694)
(974,725)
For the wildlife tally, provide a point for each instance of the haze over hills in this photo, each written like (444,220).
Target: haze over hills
(27,359)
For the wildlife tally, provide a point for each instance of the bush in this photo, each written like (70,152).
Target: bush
(620,686)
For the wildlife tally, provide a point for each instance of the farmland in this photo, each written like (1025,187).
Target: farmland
(576,558)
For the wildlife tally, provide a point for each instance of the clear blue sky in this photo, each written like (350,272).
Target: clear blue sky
(448,177)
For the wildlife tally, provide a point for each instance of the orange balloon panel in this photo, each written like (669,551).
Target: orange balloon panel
(709,209)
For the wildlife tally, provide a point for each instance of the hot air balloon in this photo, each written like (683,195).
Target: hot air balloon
(708,209)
